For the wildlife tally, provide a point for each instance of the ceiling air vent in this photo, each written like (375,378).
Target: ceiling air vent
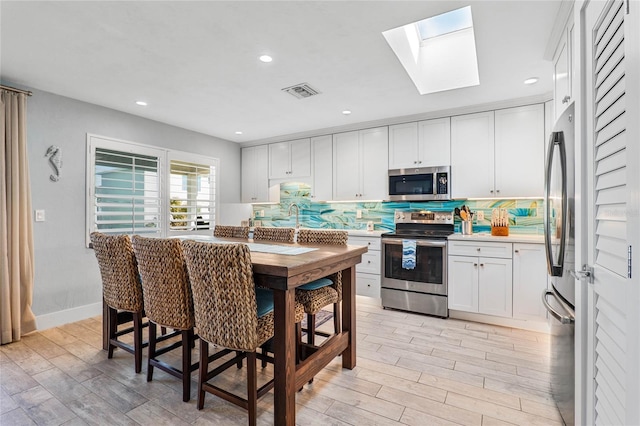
(301,91)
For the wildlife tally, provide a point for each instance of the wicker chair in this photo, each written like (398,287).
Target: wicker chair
(282,235)
(222,231)
(121,291)
(230,312)
(320,293)
(168,303)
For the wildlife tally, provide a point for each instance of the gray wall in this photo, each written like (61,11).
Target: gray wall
(66,273)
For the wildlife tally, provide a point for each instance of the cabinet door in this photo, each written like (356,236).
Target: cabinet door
(434,142)
(261,173)
(248,172)
(495,289)
(463,283)
(519,152)
(403,146)
(563,69)
(346,166)
(472,161)
(279,160)
(368,285)
(321,168)
(529,281)
(300,151)
(374,160)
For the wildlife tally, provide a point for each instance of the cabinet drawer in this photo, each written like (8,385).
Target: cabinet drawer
(480,248)
(368,285)
(370,263)
(372,242)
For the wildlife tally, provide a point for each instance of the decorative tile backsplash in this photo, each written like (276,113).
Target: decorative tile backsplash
(525,216)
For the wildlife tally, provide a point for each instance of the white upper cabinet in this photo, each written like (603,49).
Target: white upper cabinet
(255,176)
(519,152)
(403,145)
(290,159)
(420,144)
(563,69)
(434,138)
(360,163)
(498,154)
(472,158)
(321,168)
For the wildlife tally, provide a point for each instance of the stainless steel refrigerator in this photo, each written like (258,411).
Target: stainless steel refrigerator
(559,236)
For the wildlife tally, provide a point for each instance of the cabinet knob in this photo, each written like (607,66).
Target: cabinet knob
(419,162)
(517,251)
(368,261)
(482,264)
(498,191)
(475,264)
(478,249)
(491,191)
(566,99)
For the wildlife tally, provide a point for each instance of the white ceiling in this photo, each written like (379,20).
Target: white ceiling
(196,63)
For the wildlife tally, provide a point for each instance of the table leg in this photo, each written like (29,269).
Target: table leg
(105,326)
(349,316)
(284,343)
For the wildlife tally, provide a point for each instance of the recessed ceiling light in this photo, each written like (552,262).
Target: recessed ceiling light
(238,133)
(346,112)
(141,103)
(266,58)
(531,80)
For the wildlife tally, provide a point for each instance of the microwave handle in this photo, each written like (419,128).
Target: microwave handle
(424,243)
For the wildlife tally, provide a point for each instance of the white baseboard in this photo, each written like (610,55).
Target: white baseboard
(539,326)
(54,319)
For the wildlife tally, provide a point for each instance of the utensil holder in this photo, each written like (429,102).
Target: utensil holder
(467,227)
(500,231)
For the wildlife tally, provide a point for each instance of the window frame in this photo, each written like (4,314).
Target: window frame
(164,156)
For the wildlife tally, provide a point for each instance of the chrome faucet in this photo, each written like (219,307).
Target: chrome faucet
(297,213)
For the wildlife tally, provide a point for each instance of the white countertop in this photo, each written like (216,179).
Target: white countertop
(364,233)
(512,238)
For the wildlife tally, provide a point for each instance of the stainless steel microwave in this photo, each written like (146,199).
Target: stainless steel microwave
(420,184)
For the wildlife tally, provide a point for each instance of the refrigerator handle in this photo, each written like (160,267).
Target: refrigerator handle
(556,141)
(564,319)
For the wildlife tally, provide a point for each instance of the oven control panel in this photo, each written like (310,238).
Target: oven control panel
(423,216)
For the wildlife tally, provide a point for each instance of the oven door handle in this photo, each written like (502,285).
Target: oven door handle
(428,243)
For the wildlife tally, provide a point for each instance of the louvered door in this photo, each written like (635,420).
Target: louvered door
(611,328)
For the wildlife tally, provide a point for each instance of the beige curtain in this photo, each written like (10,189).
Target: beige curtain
(16,234)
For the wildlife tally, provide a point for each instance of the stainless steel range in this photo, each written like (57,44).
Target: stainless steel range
(416,280)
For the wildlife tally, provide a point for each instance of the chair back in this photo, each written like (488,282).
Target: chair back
(335,237)
(165,282)
(316,236)
(222,231)
(121,287)
(224,294)
(283,235)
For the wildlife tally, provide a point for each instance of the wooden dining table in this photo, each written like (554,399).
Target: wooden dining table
(283,273)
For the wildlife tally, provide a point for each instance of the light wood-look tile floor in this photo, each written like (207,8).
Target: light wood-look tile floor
(411,369)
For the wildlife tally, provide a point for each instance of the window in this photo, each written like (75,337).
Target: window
(139,189)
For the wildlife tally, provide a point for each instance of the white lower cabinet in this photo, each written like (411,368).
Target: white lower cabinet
(495,286)
(529,281)
(480,284)
(497,278)
(368,271)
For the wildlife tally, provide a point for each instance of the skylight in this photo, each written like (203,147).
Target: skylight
(438,53)
(445,23)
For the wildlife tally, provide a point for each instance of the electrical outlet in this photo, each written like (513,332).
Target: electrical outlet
(39,215)
(358,214)
(480,215)
(261,213)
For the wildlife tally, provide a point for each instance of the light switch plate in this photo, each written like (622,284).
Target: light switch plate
(480,215)
(39,215)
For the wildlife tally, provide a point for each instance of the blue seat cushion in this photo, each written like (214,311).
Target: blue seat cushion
(314,285)
(264,300)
